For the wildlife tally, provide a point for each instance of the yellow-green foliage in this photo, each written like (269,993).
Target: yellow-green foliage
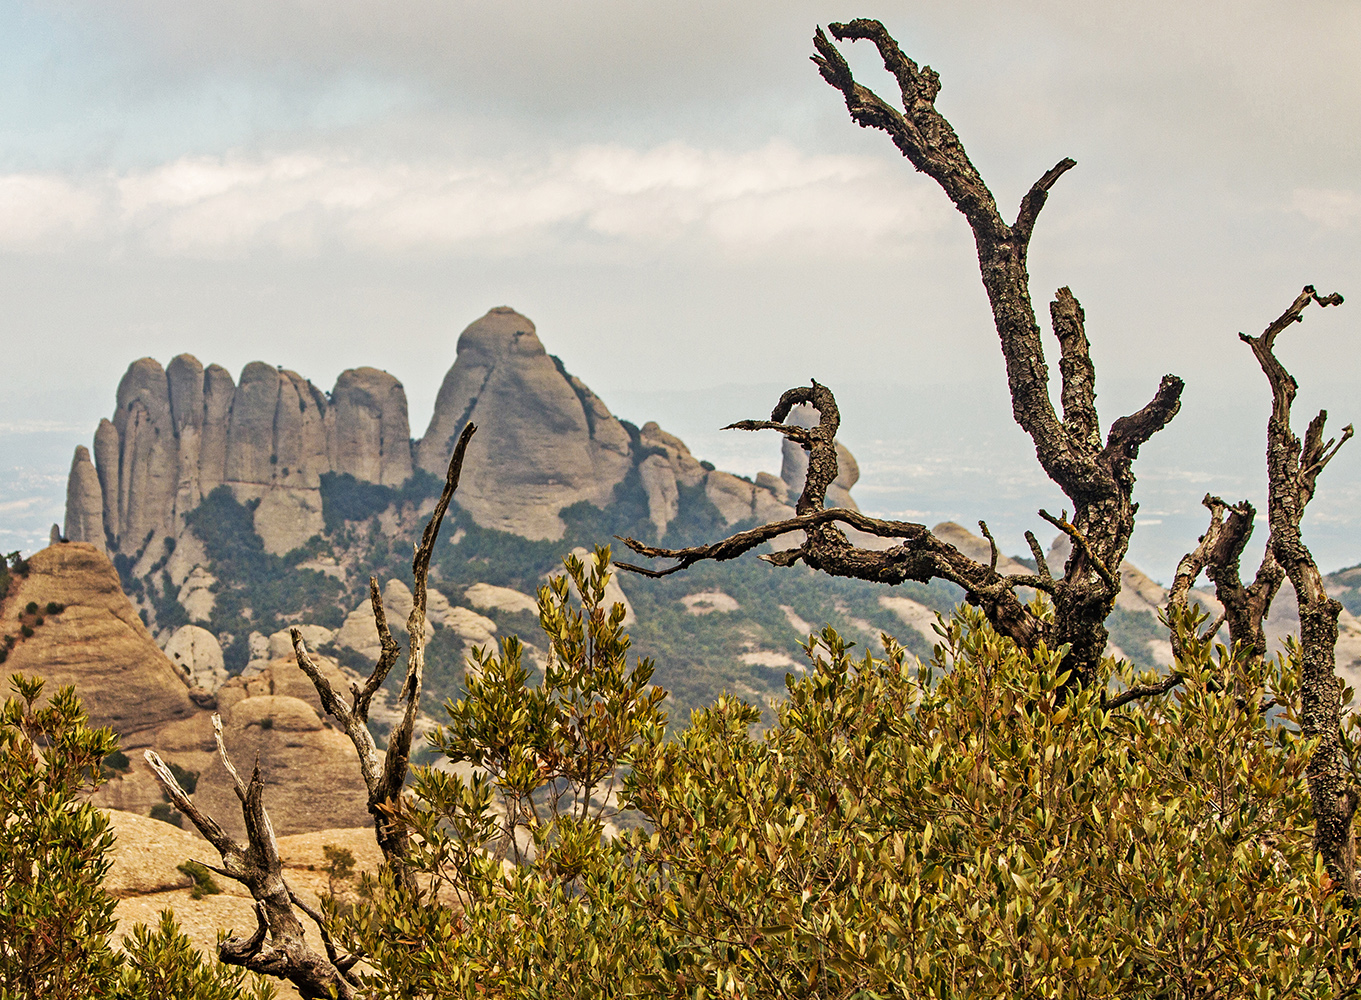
(948,830)
(55,918)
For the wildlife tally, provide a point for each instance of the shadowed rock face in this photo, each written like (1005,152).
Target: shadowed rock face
(545,441)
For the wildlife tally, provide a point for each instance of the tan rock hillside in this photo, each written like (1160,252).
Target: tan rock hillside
(145,879)
(97,642)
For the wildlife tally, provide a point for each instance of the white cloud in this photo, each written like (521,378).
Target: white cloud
(1328,207)
(770,199)
(39,211)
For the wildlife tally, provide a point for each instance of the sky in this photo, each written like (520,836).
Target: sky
(681,204)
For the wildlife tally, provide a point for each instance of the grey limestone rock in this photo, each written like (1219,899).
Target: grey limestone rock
(218,392)
(370,437)
(545,441)
(84,501)
(148,472)
(663,499)
(794,468)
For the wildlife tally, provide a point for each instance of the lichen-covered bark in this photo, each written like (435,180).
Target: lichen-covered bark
(1292,473)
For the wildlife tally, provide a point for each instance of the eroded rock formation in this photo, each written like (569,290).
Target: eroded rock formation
(567,446)
(182,431)
(96,642)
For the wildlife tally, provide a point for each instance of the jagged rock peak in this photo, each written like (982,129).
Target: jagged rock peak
(84,501)
(545,441)
(181,431)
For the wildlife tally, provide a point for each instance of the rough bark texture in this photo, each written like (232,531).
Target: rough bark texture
(277,948)
(1218,554)
(1096,477)
(1292,472)
(286,955)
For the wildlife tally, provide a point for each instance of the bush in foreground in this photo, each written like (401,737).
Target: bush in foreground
(948,830)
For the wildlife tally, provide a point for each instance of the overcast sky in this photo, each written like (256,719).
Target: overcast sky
(681,204)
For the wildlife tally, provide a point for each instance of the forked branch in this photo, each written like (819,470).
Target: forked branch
(1292,470)
(277,947)
(1097,478)
(385,776)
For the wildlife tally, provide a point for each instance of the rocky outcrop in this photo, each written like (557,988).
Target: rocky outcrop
(182,431)
(84,501)
(794,464)
(196,594)
(310,770)
(198,656)
(370,433)
(545,440)
(96,642)
(492,598)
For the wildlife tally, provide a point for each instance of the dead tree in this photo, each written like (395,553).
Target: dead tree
(1293,468)
(1096,476)
(277,947)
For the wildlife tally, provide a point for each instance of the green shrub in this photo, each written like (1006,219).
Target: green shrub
(55,919)
(203,882)
(188,779)
(167,813)
(942,830)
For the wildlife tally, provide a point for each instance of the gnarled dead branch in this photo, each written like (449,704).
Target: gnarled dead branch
(1097,477)
(1292,471)
(277,946)
(384,778)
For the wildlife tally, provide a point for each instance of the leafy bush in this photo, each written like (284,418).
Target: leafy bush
(941,830)
(203,882)
(188,779)
(163,964)
(55,919)
(345,498)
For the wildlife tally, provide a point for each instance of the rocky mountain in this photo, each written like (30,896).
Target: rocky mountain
(234,509)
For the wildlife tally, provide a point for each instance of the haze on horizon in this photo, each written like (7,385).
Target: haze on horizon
(686,212)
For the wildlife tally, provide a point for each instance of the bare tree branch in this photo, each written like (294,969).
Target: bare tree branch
(277,946)
(1041,564)
(1081,543)
(1292,470)
(1142,691)
(992,545)
(1096,478)
(384,778)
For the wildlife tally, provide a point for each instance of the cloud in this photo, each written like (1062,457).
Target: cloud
(38,210)
(770,199)
(1330,208)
